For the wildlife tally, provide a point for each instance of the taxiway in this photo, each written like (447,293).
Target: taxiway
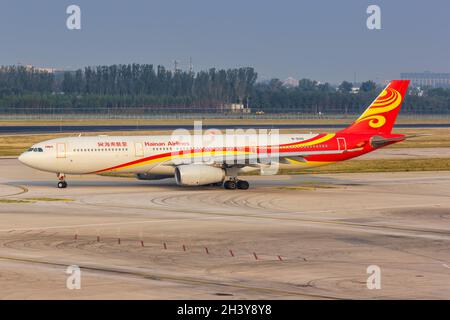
(294,237)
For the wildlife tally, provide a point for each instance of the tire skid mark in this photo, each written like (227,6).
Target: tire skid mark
(173,278)
(22,188)
(294,219)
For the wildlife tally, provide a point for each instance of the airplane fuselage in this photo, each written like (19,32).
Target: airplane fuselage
(208,158)
(152,154)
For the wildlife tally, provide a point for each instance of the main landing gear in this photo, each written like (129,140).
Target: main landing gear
(62,180)
(236,184)
(233,182)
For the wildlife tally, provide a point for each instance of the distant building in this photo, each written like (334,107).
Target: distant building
(355,90)
(235,108)
(290,82)
(30,67)
(428,79)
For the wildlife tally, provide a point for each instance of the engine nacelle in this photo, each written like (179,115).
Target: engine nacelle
(198,174)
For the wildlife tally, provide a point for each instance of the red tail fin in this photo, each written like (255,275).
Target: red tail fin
(380,116)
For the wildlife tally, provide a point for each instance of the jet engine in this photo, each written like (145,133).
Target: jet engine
(198,174)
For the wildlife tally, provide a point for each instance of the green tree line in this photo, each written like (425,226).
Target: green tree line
(135,88)
(313,97)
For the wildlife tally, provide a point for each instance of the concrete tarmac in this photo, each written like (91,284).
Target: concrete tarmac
(287,237)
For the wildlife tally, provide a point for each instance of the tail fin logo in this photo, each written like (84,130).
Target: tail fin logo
(387,101)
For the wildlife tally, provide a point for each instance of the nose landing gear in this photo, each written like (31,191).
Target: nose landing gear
(62,184)
(62,180)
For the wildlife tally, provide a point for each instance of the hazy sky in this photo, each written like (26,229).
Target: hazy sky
(323,40)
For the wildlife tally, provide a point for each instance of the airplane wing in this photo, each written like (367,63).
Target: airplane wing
(237,158)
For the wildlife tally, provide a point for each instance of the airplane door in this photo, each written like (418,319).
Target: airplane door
(139,150)
(342,144)
(60,150)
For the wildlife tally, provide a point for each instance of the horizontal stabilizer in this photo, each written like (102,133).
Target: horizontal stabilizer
(378,141)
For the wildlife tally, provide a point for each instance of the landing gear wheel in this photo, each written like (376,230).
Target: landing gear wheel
(230,184)
(62,184)
(242,184)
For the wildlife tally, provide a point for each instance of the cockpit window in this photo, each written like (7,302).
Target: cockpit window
(35,150)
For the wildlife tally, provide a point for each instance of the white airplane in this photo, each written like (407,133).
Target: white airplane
(194,161)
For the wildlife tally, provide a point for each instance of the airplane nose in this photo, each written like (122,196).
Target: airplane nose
(23,158)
